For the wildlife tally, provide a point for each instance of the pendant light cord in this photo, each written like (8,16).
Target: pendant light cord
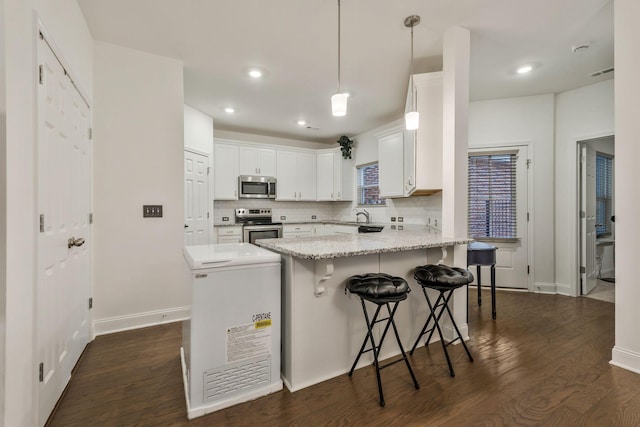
(413,100)
(338,46)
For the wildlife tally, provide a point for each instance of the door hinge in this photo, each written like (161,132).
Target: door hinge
(90,133)
(528,269)
(207,215)
(42,223)
(527,216)
(208,170)
(583,269)
(91,218)
(90,303)
(41,372)
(528,163)
(582,214)
(41,74)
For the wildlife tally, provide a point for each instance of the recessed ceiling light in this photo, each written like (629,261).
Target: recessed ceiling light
(301,123)
(230,110)
(524,69)
(255,73)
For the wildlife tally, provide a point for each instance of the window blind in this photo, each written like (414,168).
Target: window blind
(604,193)
(368,188)
(492,196)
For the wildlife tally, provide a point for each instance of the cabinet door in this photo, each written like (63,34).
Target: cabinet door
(266,162)
(343,172)
(391,165)
(225,172)
(248,161)
(306,176)
(325,176)
(409,161)
(286,175)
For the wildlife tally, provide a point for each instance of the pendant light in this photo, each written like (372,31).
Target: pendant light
(412,117)
(339,100)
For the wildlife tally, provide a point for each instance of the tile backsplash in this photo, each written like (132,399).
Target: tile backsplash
(425,210)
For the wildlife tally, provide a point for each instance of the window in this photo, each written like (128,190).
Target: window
(492,196)
(368,189)
(604,193)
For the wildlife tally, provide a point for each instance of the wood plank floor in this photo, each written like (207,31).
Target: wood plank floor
(543,362)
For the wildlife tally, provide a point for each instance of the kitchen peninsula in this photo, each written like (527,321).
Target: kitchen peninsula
(323,328)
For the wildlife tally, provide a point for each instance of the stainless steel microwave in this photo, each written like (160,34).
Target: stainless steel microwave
(256,187)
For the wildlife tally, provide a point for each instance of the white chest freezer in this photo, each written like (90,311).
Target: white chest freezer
(231,344)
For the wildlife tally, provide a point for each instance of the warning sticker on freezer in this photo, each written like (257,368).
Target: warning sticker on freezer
(248,341)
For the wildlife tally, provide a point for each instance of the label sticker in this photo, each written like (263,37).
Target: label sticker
(249,341)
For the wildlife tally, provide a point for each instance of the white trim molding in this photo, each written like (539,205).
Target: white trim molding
(140,320)
(625,359)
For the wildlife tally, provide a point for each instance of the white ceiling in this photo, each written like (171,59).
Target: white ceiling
(295,42)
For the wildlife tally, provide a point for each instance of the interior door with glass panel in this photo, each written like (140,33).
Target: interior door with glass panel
(498,206)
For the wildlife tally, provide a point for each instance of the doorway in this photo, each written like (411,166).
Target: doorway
(196,196)
(596,162)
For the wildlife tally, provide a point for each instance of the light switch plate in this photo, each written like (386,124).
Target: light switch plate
(152,211)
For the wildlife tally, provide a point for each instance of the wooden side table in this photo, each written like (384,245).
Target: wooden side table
(480,254)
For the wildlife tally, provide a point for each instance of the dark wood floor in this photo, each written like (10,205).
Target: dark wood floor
(543,362)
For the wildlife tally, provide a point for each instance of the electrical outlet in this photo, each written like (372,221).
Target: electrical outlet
(401,227)
(400,219)
(282,217)
(393,227)
(313,217)
(393,219)
(225,218)
(152,211)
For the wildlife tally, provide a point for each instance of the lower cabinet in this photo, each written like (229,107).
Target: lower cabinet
(297,230)
(229,234)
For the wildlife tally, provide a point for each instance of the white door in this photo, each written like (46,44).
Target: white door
(64,241)
(512,270)
(588,268)
(196,200)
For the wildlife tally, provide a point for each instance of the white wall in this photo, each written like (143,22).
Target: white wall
(530,121)
(66,27)
(581,114)
(626,352)
(139,276)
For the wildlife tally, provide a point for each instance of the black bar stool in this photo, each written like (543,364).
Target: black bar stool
(382,290)
(445,280)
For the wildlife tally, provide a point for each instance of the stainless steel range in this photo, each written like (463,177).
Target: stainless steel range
(257,224)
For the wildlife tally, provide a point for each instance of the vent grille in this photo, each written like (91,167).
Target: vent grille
(236,378)
(601,72)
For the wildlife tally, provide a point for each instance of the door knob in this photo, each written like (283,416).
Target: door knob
(186,226)
(75,242)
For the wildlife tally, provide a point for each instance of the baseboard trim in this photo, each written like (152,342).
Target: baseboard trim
(111,325)
(625,359)
(549,288)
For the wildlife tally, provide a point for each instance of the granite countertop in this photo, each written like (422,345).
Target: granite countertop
(325,247)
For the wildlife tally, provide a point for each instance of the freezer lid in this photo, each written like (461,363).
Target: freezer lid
(227,254)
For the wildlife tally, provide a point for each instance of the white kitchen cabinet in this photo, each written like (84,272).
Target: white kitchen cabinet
(345,229)
(427,153)
(296,174)
(257,161)
(334,176)
(298,230)
(391,157)
(229,234)
(225,172)
(410,162)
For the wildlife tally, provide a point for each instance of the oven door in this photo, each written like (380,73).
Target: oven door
(255,232)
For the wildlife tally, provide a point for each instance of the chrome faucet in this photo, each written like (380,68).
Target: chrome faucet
(363,212)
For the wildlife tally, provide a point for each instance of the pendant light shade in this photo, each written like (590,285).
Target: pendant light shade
(339,104)
(339,100)
(412,118)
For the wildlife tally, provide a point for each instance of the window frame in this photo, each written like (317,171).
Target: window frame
(360,193)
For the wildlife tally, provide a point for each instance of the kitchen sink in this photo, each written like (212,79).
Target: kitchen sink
(370,228)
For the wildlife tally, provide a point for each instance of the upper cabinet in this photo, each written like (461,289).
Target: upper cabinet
(225,171)
(428,136)
(296,175)
(334,176)
(410,162)
(257,161)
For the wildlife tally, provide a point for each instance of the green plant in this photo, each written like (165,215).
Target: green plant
(345,146)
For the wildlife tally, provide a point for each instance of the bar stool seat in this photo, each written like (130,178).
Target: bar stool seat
(445,280)
(383,290)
